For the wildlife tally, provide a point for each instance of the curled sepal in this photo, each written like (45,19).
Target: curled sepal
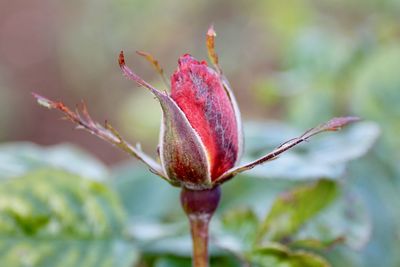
(106,132)
(334,124)
(210,43)
(156,65)
(182,152)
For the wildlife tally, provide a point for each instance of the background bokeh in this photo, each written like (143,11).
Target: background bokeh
(300,61)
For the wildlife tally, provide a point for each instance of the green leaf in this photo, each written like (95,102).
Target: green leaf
(240,225)
(325,156)
(53,218)
(380,70)
(152,205)
(172,262)
(347,220)
(276,255)
(17,159)
(136,185)
(294,208)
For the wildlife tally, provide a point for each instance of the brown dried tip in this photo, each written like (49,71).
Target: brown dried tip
(50,104)
(149,57)
(336,124)
(211,31)
(44,101)
(210,42)
(121,59)
(156,65)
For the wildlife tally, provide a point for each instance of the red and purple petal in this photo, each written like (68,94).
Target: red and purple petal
(200,94)
(182,153)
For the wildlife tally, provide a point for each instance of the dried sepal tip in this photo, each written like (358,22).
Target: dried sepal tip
(43,101)
(336,124)
(210,43)
(154,62)
(156,65)
(332,125)
(121,59)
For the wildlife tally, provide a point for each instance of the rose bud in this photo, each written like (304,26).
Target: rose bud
(200,139)
(201,132)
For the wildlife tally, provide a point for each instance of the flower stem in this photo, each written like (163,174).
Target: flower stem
(199,231)
(199,206)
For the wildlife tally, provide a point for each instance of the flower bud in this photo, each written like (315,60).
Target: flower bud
(200,94)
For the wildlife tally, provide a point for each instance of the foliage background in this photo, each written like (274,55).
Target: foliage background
(298,61)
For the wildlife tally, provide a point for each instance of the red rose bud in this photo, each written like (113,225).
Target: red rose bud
(200,94)
(201,133)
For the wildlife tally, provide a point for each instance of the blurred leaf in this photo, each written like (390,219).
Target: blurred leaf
(174,245)
(240,224)
(294,208)
(159,224)
(345,221)
(319,64)
(52,218)
(172,262)
(17,159)
(325,156)
(305,54)
(376,182)
(136,185)
(275,255)
(339,256)
(179,245)
(286,20)
(376,92)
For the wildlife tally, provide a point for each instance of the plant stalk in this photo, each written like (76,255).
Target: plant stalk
(199,231)
(199,206)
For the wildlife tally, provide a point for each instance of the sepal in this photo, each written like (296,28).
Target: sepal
(183,155)
(334,124)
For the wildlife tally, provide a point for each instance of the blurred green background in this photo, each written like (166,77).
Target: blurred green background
(297,61)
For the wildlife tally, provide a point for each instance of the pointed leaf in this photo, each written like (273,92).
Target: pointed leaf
(280,256)
(240,225)
(346,221)
(294,208)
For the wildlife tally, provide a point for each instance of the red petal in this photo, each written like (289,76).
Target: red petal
(198,91)
(183,155)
